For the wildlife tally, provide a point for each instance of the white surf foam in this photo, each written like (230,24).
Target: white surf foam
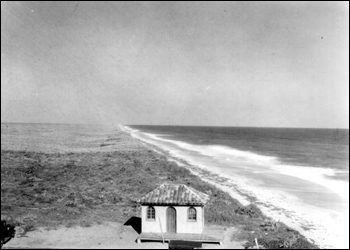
(220,153)
(326,227)
(316,175)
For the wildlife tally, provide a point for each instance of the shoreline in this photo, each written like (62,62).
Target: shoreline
(204,174)
(212,178)
(80,188)
(201,173)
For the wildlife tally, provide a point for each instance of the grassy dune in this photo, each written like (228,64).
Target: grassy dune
(84,188)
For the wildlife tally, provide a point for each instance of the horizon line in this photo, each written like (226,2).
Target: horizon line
(227,126)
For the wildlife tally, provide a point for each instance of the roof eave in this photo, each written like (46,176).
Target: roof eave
(170,204)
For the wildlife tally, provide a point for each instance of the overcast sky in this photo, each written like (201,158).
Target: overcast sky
(176,63)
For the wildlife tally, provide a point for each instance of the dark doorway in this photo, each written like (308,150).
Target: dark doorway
(171,220)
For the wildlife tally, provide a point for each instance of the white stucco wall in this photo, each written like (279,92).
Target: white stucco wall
(182,224)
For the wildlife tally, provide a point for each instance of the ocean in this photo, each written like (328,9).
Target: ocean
(297,176)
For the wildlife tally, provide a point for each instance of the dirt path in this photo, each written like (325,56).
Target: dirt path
(227,243)
(108,235)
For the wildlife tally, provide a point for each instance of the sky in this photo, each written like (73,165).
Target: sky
(256,64)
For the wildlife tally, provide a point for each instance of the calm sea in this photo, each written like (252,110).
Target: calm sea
(298,176)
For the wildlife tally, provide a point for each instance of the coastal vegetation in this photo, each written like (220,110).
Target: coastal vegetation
(84,188)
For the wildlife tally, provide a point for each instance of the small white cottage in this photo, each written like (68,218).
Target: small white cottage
(173,208)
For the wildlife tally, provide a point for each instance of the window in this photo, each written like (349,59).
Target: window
(151,213)
(192,214)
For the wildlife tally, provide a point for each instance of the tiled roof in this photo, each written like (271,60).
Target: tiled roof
(174,194)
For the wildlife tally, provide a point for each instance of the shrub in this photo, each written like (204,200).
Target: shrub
(7,232)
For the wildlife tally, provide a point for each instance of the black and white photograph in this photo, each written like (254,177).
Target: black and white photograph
(175,125)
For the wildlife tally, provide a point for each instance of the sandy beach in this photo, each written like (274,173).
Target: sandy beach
(288,193)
